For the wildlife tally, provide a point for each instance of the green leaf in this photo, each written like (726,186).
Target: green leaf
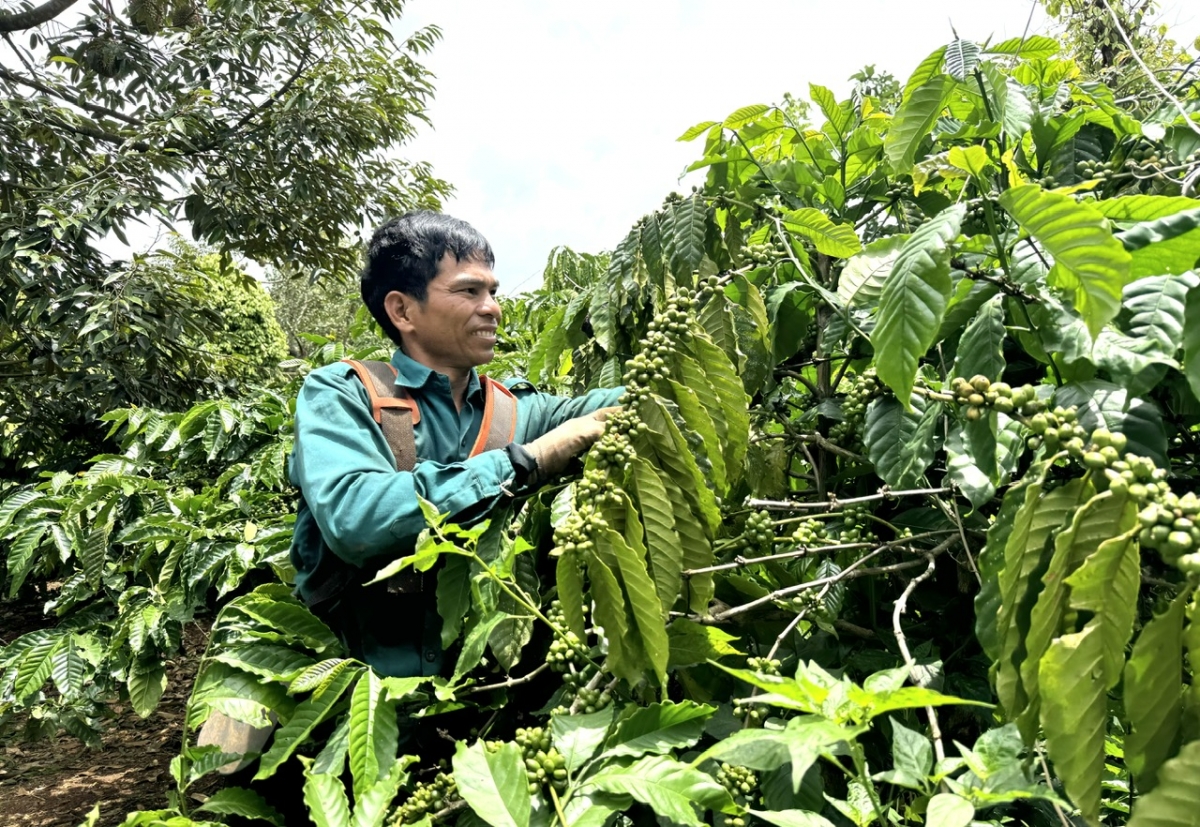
(900,443)
(609,612)
(671,789)
(800,743)
(962,56)
(1090,262)
(1191,342)
(1173,802)
(373,733)
(693,643)
(861,281)
(238,801)
(838,118)
(972,159)
(291,620)
(792,818)
(687,244)
(1025,560)
(914,300)
(1074,713)
(1101,518)
(914,119)
(720,373)
(911,751)
(325,798)
(659,728)
(146,684)
(837,240)
(676,459)
(696,419)
(1159,230)
(1107,584)
(990,563)
(928,68)
(741,117)
(1157,306)
(267,660)
(1104,405)
(1152,693)
(493,783)
(694,132)
(1033,47)
(578,737)
(453,596)
(665,550)
(645,607)
(306,717)
(949,810)
(962,469)
(475,644)
(981,348)
(569,580)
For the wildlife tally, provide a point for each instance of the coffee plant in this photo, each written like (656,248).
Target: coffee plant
(919,361)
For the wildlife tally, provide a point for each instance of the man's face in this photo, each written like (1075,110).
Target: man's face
(454,329)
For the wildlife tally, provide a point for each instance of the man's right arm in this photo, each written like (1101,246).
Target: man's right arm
(365,508)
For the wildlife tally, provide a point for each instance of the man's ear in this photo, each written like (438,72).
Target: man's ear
(397,306)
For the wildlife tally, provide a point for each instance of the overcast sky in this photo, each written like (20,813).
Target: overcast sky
(556,121)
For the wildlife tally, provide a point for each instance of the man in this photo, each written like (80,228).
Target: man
(428,282)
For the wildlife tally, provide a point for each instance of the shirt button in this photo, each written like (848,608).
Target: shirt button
(430,655)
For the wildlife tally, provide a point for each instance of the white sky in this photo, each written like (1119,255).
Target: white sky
(556,121)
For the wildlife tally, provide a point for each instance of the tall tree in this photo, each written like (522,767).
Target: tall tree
(272,127)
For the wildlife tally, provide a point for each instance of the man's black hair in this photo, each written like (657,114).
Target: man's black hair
(404,254)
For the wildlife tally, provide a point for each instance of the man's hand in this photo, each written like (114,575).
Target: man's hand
(554,450)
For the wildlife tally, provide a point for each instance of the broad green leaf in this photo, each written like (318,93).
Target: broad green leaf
(373,733)
(791,315)
(962,468)
(949,810)
(1090,262)
(578,737)
(838,118)
(1191,341)
(644,604)
(687,244)
(665,550)
(962,56)
(914,300)
(740,117)
(1173,802)
(68,668)
(373,806)
(453,596)
(861,281)
(837,240)
(1101,518)
(673,790)
(475,643)
(326,799)
(911,751)
(239,801)
(694,378)
(659,728)
(267,660)
(693,643)
(914,119)
(1152,693)
(694,132)
(1074,714)
(972,159)
(792,818)
(800,743)
(981,348)
(307,716)
(146,684)
(721,373)
(1032,47)
(1157,306)
(696,419)
(1107,584)
(493,783)
(928,68)
(1130,209)
(900,443)
(1104,405)
(990,563)
(569,579)
(291,620)
(1159,230)
(1026,557)
(610,614)
(675,457)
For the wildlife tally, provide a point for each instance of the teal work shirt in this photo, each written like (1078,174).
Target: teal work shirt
(356,509)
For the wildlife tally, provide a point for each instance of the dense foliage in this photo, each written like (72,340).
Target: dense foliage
(117,115)
(926,359)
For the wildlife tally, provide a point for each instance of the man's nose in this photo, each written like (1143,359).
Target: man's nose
(491,307)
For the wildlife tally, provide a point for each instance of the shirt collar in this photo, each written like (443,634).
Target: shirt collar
(413,375)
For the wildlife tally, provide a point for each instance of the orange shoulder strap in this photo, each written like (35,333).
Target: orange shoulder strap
(392,407)
(499,424)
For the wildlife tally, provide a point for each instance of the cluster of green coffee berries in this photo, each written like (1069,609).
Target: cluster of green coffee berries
(853,527)
(564,653)
(758,532)
(741,782)
(979,393)
(768,666)
(865,387)
(543,763)
(1170,526)
(570,537)
(592,700)
(763,253)
(707,288)
(1059,429)
(426,799)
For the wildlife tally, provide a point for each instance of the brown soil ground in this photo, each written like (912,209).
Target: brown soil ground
(56,782)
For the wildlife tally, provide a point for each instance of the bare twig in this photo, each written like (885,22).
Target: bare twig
(449,810)
(806,551)
(508,683)
(962,532)
(899,609)
(885,493)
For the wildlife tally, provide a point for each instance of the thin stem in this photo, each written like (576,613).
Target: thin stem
(508,683)
(898,610)
(885,493)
